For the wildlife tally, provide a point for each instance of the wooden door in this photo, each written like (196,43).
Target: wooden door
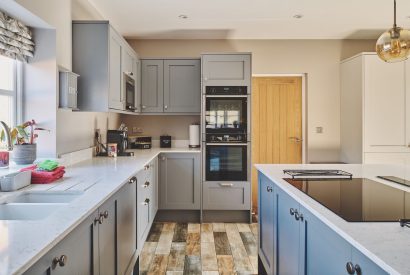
(276,122)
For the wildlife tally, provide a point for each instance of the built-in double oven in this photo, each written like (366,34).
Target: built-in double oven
(226,133)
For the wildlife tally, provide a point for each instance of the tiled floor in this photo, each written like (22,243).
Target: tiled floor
(209,248)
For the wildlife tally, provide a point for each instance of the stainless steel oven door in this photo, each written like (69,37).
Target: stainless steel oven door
(129,88)
(226,162)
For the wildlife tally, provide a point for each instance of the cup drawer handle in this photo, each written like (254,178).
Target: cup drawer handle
(226,184)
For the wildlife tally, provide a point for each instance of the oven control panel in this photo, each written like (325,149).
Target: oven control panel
(226,138)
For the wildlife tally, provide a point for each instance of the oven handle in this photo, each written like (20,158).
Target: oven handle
(226,184)
(227,144)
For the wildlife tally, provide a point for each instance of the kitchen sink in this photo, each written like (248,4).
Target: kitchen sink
(11,211)
(45,197)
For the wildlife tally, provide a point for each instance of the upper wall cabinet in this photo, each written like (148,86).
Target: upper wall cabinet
(104,59)
(171,86)
(226,69)
(375,106)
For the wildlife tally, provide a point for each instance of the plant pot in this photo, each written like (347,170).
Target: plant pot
(24,153)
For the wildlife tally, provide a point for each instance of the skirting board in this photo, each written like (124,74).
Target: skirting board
(226,216)
(178,216)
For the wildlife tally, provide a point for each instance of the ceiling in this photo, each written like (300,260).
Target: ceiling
(257,19)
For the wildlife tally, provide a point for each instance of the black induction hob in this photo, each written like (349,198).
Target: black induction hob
(357,199)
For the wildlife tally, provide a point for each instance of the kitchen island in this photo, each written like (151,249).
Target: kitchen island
(299,235)
(97,180)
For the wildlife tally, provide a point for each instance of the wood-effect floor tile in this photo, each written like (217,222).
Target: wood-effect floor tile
(222,246)
(194,228)
(241,259)
(165,240)
(180,232)
(225,265)
(176,257)
(243,227)
(155,232)
(210,273)
(192,265)
(147,254)
(207,235)
(208,257)
(249,242)
(175,273)
(218,227)
(193,244)
(254,229)
(158,265)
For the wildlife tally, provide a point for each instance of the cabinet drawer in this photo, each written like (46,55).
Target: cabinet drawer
(226,196)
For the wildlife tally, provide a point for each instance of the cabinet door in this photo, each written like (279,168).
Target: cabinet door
(226,195)
(80,249)
(179,181)
(126,225)
(143,206)
(152,86)
(226,70)
(107,238)
(182,86)
(366,266)
(128,62)
(287,234)
(153,179)
(267,222)
(385,106)
(137,85)
(116,96)
(324,251)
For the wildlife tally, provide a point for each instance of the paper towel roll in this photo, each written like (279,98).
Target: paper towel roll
(194,136)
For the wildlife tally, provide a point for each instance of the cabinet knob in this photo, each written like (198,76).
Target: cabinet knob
(298,216)
(292,211)
(60,261)
(99,220)
(131,73)
(358,269)
(269,189)
(132,180)
(146,184)
(146,201)
(104,214)
(146,167)
(163,158)
(350,268)
(166,107)
(143,106)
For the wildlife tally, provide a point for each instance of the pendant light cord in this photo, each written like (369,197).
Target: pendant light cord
(394,25)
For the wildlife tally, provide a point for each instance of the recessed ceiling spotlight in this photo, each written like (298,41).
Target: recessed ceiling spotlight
(298,16)
(183,16)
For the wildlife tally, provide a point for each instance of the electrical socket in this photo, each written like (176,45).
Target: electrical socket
(319,130)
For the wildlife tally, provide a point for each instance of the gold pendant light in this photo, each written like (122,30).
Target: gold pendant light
(394,44)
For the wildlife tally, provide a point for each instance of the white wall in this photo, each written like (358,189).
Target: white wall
(319,59)
(74,130)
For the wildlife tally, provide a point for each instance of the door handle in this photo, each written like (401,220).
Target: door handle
(226,184)
(269,189)
(296,139)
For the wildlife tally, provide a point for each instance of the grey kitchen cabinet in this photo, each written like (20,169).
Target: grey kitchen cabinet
(146,201)
(104,243)
(152,86)
(102,57)
(226,69)
(171,86)
(182,86)
(127,225)
(75,254)
(226,196)
(179,181)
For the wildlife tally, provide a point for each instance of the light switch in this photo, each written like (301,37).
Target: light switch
(319,130)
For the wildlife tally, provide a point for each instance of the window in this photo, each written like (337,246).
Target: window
(9,107)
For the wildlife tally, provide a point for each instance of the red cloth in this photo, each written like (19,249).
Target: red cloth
(39,177)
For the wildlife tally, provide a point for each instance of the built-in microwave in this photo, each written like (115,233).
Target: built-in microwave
(129,91)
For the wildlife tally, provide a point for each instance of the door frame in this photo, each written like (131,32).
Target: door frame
(304,109)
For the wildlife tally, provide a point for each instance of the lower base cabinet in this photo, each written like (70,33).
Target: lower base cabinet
(102,244)
(294,241)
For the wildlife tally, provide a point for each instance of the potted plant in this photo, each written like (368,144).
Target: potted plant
(24,142)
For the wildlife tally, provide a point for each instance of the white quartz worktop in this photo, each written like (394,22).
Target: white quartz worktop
(22,243)
(385,243)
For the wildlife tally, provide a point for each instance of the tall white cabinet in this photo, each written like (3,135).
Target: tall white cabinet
(375,110)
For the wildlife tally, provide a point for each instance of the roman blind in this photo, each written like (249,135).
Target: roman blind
(15,38)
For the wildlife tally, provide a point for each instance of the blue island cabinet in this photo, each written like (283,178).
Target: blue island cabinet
(293,241)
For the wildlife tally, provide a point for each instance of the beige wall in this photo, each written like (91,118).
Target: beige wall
(318,59)
(74,130)
(155,126)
